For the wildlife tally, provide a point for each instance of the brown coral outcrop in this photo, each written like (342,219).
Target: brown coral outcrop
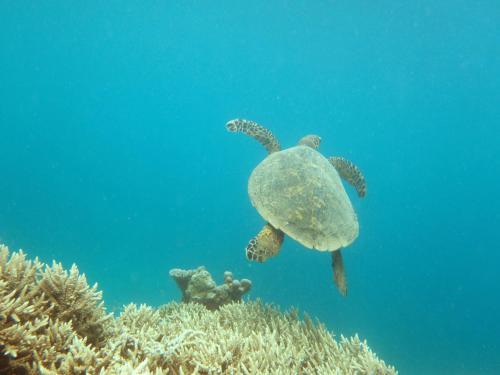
(52,322)
(198,286)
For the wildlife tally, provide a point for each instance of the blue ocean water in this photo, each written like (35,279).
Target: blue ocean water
(114,155)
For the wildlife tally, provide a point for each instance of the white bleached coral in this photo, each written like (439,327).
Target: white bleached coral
(52,322)
(49,318)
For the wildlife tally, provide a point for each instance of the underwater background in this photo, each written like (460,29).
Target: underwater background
(114,155)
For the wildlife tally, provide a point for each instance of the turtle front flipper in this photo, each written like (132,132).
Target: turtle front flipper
(265,244)
(349,172)
(339,273)
(254,130)
(311,140)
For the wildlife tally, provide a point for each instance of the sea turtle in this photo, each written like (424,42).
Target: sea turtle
(299,193)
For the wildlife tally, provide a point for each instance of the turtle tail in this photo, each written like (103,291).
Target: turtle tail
(254,130)
(265,244)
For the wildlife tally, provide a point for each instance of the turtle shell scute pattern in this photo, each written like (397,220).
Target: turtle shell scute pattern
(298,191)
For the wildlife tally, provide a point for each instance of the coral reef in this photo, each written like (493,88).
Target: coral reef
(48,316)
(52,322)
(198,286)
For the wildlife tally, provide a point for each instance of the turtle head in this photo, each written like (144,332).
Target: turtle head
(311,140)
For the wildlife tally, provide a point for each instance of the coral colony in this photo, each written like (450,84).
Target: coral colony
(53,322)
(198,286)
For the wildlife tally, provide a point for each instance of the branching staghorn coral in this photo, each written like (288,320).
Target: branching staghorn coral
(48,318)
(240,338)
(39,333)
(72,299)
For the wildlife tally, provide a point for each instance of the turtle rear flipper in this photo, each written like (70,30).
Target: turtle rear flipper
(254,130)
(265,244)
(349,172)
(339,272)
